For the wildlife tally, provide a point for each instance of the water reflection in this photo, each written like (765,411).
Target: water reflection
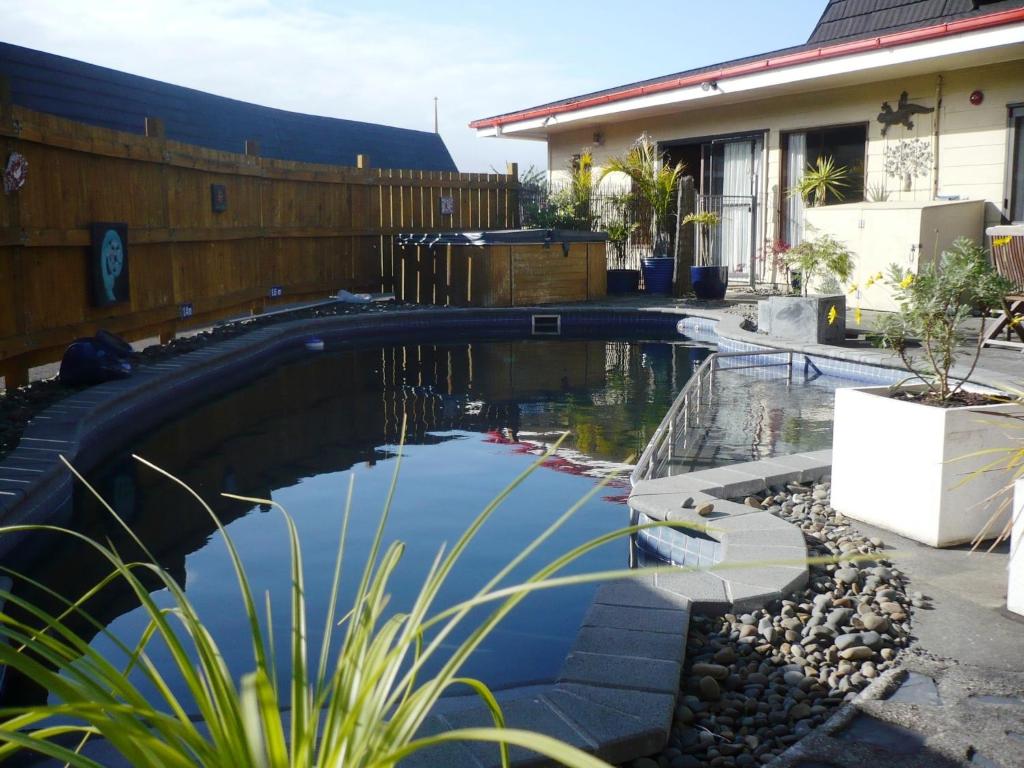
(475,414)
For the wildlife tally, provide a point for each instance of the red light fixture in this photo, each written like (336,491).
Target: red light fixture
(977,97)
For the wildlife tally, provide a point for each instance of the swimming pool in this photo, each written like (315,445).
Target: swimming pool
(478,413)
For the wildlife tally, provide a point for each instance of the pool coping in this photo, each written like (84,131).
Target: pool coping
(617,689)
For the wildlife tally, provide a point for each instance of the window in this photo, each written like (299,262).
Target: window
(1017,165)
(845,144)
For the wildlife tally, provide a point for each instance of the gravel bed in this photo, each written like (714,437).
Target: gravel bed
(18,406)
(756,683)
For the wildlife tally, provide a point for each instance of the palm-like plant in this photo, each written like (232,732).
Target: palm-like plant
(653,178)
(820,180)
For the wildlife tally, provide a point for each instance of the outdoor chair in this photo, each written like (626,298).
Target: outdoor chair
(1008,260)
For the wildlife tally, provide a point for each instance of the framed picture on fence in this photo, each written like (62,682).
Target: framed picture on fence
(108,263)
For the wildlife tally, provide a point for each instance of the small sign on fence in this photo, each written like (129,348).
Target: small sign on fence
(218,198)
(276,291)
(108,263)
(447,205)
(186,310)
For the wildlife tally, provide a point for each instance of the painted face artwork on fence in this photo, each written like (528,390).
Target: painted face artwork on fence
(109,264)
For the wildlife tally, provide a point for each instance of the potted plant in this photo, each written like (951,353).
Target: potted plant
(654,181)
(825,263)
(709,280)
(620,278)
(902,455)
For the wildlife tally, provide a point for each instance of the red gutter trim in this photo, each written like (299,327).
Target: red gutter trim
(789,60)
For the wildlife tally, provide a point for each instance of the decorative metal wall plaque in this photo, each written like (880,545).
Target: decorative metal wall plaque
(218,198)
(108,263)
(15,172)
(889,117)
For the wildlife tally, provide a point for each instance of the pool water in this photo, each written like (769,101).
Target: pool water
(477,415)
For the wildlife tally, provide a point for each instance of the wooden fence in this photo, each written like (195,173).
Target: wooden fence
(290,230)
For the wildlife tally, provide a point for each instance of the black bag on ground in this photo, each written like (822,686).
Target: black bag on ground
(93,360)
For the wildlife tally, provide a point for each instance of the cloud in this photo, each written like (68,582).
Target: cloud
(375,66)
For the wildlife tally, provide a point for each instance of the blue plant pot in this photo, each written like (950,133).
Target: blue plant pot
(709,283)
(658,274)
(623,281)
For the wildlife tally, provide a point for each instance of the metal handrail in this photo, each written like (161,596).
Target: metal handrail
(666,429)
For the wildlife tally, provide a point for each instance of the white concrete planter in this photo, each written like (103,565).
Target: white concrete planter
(900,466)
(1015,589)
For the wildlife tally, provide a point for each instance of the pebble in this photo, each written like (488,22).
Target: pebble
(847,575)
(709,689)
(705,509)
(687,503)
(758,682)
(857,653)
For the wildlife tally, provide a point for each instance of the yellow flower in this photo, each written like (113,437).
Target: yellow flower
(1017,320)
(856,316)
(907,281)
(999,242)
(832,315)
(853,288)
(869,282)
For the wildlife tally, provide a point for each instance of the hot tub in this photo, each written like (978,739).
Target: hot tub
(501,268)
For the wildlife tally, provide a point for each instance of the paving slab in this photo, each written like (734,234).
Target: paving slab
(614,670)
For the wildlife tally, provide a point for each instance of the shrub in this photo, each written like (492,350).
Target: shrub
(933,305)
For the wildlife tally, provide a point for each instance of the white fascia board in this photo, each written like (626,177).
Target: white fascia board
(840,65)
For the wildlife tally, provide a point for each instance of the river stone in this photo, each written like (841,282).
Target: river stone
(847,575)
(793,678)
(709,690)
(857,653)
(687,503)
(800,711)
(716,671)
(848,641)
(725,655)
(705,509)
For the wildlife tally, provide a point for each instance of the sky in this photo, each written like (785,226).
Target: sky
(384,62)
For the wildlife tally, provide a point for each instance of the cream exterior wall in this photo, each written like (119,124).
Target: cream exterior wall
(973,141)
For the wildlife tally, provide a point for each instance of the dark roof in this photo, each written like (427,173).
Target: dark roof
(106,97)
(841,21)
(845,20)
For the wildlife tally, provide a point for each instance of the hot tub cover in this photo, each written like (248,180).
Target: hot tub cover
(501,237)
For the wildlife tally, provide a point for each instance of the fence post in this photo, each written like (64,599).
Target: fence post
(512,197)
(685,243)
(362,161)
(252,148)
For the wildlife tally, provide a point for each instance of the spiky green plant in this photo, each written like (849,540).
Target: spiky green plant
(705,222)
(359,702)
(820,180)
(653,178)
